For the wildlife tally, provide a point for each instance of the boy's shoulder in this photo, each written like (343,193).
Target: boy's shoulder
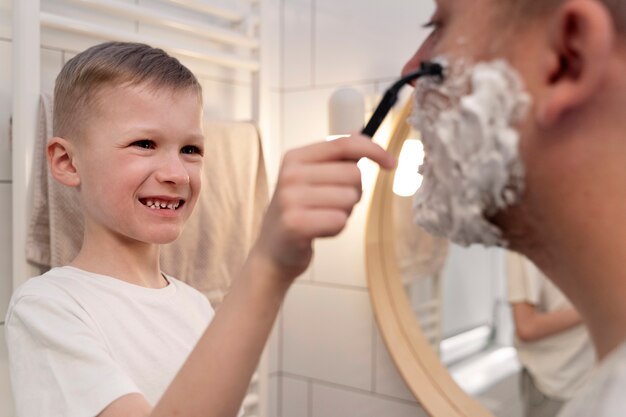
(50,283)
(80,291)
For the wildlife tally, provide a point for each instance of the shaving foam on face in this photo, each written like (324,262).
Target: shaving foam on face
(472,168)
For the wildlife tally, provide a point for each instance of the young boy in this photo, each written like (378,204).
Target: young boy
(109,334)
(545,81)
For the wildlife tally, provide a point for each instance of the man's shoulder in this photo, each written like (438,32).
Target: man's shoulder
(603,396)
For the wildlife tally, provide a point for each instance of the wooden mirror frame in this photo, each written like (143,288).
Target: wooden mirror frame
(425,375)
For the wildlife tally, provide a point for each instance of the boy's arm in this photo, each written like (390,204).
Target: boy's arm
(532,325)
(317,188)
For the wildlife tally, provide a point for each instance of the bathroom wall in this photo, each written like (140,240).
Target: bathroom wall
(327,356)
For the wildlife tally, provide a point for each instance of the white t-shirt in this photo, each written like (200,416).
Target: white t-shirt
(77,340)
(604,395)
(559,364)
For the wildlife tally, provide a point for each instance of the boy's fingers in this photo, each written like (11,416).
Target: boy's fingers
(331,173)
(323,197)
(311,224)
(351,148)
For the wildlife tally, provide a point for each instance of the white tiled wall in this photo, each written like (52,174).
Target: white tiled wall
(326,357)
(331,360)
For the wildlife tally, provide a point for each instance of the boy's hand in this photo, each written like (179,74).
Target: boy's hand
(318,186)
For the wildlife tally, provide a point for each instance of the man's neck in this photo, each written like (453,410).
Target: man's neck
(588,266)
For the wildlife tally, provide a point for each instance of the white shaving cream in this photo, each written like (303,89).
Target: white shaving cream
(472,168)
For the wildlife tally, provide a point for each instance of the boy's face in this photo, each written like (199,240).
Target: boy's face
(140,163)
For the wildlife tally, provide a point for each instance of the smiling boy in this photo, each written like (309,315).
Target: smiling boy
(533,117)
(110,334)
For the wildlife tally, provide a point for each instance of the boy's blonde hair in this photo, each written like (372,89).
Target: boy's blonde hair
(112,64)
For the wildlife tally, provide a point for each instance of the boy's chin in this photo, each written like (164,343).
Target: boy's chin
(162,237)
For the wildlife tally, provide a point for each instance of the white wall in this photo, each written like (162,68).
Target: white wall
(327,357)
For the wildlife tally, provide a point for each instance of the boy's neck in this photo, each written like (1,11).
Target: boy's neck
(130,261)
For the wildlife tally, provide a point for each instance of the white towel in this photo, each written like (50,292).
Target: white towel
(217,237)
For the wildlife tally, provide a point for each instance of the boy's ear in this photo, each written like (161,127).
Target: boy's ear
(61,162)
(581,40)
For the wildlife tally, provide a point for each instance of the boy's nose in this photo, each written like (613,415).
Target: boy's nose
(172,170)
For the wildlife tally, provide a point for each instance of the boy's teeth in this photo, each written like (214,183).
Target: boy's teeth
(156,204)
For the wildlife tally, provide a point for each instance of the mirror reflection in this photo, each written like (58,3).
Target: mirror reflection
(507,336)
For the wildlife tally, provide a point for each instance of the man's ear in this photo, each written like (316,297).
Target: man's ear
(61,162)
(582,37)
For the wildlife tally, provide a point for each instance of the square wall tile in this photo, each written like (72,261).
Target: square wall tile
(271,134)
(226,101)
(6,108)
(271,41)
(336,402)
(305,115)
(366,40)
(387,377)
(273,348)
(341,260)
(327,335)
(6,395)
(297,44)
(51,64)
(6,251)
(6,20)
(274,395)
(295,398)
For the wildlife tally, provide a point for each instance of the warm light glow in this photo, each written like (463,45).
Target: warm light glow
(334,137)
(408,180)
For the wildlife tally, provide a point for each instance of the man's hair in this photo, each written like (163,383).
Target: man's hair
(521,9)
(112,64)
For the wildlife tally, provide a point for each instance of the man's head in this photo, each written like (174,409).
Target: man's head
(570,57)
(79,86)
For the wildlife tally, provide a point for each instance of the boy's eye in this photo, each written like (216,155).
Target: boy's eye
(144,143)
(190,149)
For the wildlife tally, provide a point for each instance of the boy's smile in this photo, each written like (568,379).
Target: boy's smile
(140,163)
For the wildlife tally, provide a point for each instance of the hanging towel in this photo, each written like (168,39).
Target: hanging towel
(217,237)
(55,231)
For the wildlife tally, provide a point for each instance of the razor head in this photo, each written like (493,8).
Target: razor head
(432,69)
(427,69)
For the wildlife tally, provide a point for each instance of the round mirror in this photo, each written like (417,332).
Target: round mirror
(405,287)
